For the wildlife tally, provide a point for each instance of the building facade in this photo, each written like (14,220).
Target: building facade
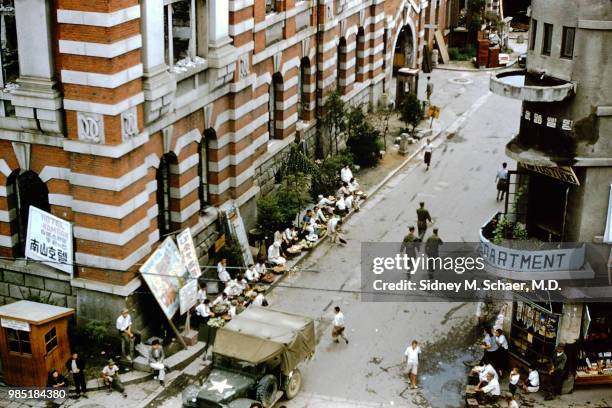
(560,189)
(135,119)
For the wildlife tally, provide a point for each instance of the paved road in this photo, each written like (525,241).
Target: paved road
(459,191)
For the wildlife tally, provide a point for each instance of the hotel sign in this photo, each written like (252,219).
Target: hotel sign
(563,173)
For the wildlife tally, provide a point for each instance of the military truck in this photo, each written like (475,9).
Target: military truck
(255,358)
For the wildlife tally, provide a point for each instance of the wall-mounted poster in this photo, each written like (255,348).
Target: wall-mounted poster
(165,273)
(187,249)
(49,239)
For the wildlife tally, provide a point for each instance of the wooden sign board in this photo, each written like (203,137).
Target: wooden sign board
(434,112)
(564,173)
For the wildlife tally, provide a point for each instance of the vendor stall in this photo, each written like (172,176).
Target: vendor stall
(594,365)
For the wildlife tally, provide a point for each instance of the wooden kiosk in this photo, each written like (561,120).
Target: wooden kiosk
(33,340)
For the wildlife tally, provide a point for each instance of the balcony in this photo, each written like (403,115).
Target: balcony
(527,86)
(528,258)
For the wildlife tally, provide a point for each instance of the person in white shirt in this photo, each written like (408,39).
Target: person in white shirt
(251,274)
(319,216)
(353,185)
(325,202)
(412,361)
(501,179)
(492,390)
(260,268)
(533,381)
(221,300)
(344,190)
(483,372)
(110,375)
(348,200)
(346,174)
(502,351)
(428,153)
(127,333)
(341,205)
(333,230)
(338,326)
(260,300)
(222,272)
(511,400)
(204,312)
(274,255)
(513,381)
(202,295)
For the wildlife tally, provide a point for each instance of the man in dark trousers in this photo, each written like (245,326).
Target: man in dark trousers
(432,250)
(409,245)
(422,218)
(502,182)
(76,366)
(557,371)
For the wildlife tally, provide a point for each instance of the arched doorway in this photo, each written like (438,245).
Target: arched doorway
(404,53)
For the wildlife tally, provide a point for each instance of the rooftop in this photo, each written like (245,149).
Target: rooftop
(531,87)
(33,312)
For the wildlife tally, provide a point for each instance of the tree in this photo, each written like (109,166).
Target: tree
(269,215)
(365,145)
(293,195)
(411,111)
(475,17)
(380,121)
(332,119)
(327,178)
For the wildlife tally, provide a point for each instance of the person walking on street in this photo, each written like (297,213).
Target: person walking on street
(557,371)
(429,89)
(338,326)
(423,217)
(428,149)
(110,375)
(432,250)
(156,361)
(127,333)
(409,245)
(333,230)
(502,182)
(76,366)
(412,362)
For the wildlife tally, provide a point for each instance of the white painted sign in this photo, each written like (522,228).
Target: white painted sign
(15,324)
(188,296)
(187,249)
(49,239)
(608,231)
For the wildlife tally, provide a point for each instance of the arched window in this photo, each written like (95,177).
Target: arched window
(27,190)
(203,167)
(273,111)
(341,65)
(164,183)
(360,73)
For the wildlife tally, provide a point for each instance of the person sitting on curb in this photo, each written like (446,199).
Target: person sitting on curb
(156,361)
(533,381)
(491,390)
(110,375)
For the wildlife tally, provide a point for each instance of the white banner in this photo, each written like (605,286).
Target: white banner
(608,232)
(187,248)
(49,239)
(188,296)
(15,324)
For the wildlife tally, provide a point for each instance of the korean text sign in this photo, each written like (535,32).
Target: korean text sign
(49,239)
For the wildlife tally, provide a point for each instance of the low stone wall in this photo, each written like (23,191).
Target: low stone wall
(16,283)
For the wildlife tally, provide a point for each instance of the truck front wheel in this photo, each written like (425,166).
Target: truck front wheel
(293,385)
(266,390)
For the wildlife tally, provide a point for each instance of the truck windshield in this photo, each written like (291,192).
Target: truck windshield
(229,363)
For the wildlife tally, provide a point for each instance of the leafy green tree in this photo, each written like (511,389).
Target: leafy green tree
(269,215)
(332,120)
(365,145)
(293,195)
(411,111)
(327,178)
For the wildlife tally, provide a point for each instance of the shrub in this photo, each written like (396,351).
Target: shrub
(365,145)
(95,331)
(411,111)
(293,196)
(269,215)
(327,179)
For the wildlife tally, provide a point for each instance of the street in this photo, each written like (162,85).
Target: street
(459,191)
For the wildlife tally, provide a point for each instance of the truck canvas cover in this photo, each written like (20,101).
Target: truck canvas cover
(259,334)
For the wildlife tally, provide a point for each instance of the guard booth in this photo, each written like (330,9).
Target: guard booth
(406,82)
(33,340)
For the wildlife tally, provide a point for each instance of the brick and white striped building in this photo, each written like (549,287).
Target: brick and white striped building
(133,119)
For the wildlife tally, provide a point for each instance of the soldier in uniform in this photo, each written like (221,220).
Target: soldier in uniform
(409,244)
(432,247)
(422,218)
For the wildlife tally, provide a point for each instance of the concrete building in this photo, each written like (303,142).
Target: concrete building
(560,189)
(135,119)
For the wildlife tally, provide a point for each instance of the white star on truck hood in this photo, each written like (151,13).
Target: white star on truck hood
(219,386)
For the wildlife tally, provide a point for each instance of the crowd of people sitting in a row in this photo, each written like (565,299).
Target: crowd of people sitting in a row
(323,218)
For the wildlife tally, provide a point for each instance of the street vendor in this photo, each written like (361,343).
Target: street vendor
(222,272)
(318,215)
(326,203)
(235,287)
(353,185)
(346,174)
(221,300)
(344,189)
(274,256)
(251,273)
(260,268)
